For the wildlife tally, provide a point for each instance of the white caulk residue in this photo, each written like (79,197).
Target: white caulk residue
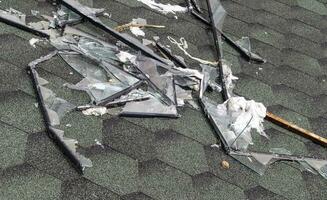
(164,8)
(33,41)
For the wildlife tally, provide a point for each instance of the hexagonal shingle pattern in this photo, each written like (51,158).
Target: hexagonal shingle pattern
(154,158)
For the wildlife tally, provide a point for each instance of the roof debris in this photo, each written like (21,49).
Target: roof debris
(138,82)
(33,42)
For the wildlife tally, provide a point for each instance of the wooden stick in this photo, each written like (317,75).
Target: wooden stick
(296,129)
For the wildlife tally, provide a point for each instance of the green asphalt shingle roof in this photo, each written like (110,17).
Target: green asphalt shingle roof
(145,158)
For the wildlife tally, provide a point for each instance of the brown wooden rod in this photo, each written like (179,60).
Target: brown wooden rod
(296,129)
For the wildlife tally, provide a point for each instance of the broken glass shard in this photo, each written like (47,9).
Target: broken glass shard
(87,13)
(210,74)
(245,46)
(71,146)
(151,108)
(218,13)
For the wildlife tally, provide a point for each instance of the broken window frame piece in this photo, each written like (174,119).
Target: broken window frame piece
(219,49)
(5,17)
(84,11)
(67,145)
(250,56)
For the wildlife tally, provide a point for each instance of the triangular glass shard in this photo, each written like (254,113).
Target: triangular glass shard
(319,165)
(244,42)
(264,159)
(251,163)
(218,13)
(71,145)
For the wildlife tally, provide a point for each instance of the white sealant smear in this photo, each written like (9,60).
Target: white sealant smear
(164,8)
(33,41)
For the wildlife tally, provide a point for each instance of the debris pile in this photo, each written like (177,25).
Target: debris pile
(133,79)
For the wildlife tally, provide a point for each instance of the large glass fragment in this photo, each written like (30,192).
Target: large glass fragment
(90,15)
(218,13)
(95,61)
(210,75)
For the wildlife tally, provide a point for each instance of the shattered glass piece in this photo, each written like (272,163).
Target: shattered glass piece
(163,84)
(64,16)
(245,46)
(149,108)
(97,90)
(55,106)
(147,42)
(264,159)
(280,151)
(319,165)
(103,81)
(84,66)
(210,74)
(307,167)
(71,145)
(134,95)
(218,13)
(97,50)
(182,95)
(251,163)
(186,81)
(193,104)
(164,8)
(86,12)
(54,119)
(244,42)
